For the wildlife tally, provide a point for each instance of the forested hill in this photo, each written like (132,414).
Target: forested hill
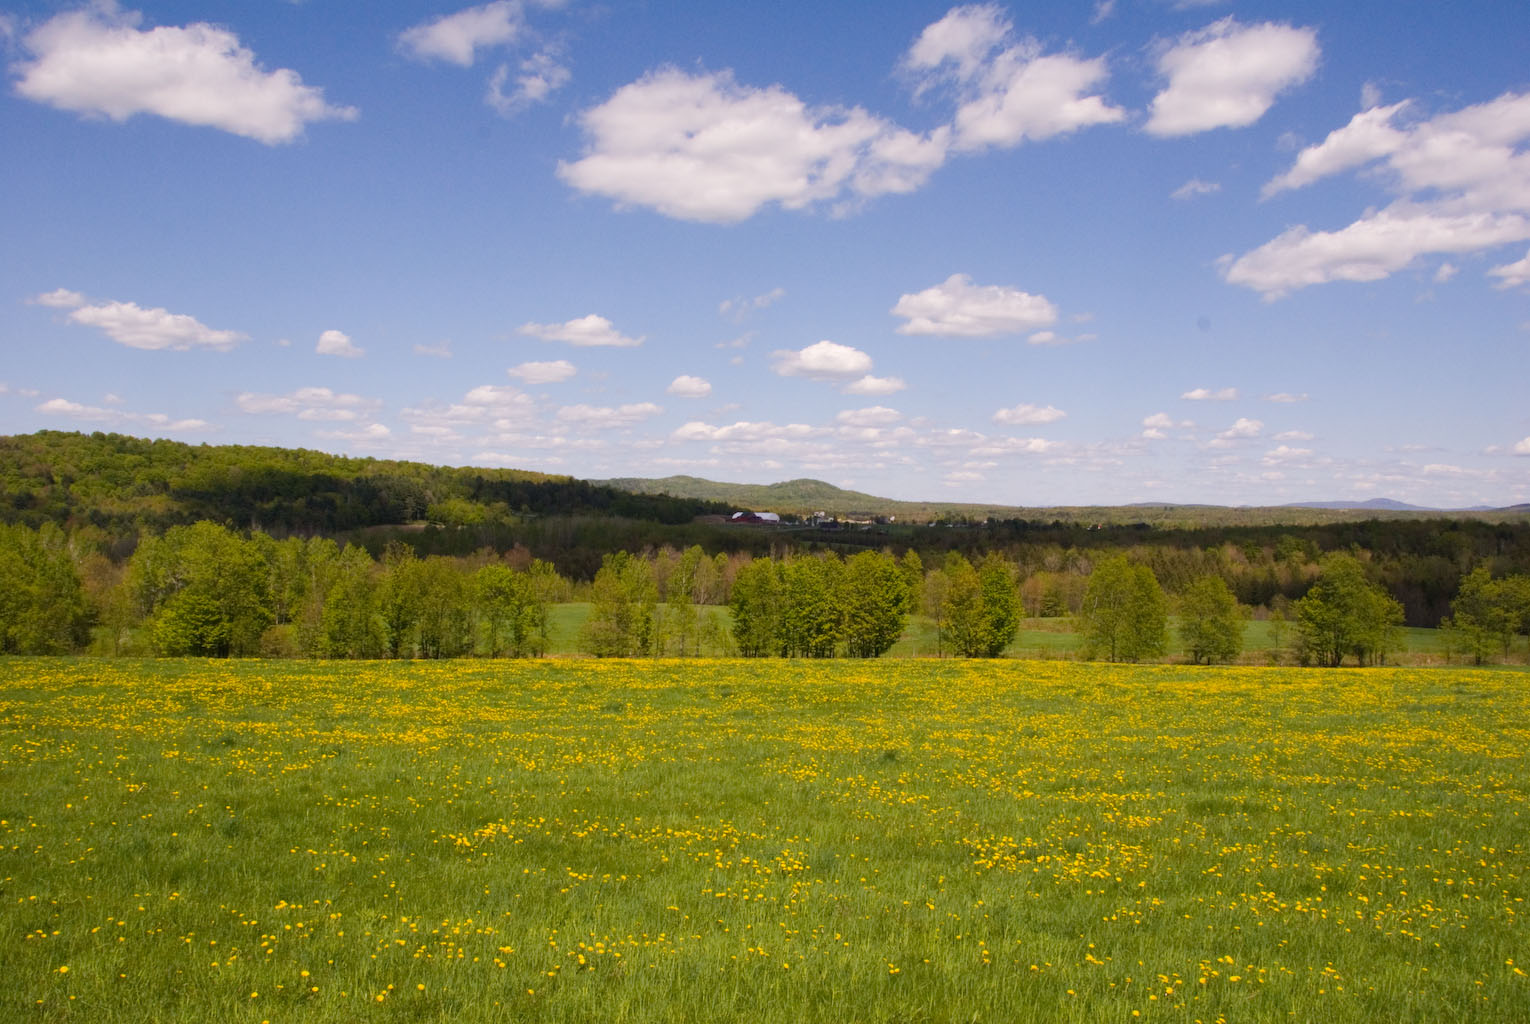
(114,481)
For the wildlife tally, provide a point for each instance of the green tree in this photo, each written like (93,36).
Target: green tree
(756,605)
(1344,613)
(623,597)
(874,601)
(398,596)
(43,609)
(961,620)
(1001,604)
(1211,621)
(443,626)
(349,625)
(211,591)
(1125,613)
(811,617)
(1487,614)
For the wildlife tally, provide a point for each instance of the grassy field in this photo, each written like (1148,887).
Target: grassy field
(769,841)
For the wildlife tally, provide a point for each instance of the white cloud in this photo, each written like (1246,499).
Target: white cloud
(60,298)
(154,329)
(1285,453)
(314,404)
(1512,275)
(372,432)
(702,147)
(1207,395)
(824,360)
(1445,272)
(1368,135)
(1293,435)
(869,385)
(874,416)
(440,350)
(1286,397)
(1026,414)
(1370,249)
(591,417)
(96,414)
(96,61)
(337,343)
(457,38)
(738,307)
(1243,427)
(1522,447)
(1227,75)
(686,386)
(1195,187)
(1463,179)
(1006,91)
(585,332)
(541,75)
(543,373)
(958,308)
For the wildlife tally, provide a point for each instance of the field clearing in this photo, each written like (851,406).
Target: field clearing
(761,841)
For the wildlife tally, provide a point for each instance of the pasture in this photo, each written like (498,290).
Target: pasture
(908,840)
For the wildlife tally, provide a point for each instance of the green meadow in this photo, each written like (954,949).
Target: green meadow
(889,841)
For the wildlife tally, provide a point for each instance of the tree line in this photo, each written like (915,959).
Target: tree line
(206,590)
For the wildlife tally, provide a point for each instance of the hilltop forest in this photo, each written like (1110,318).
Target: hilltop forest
(106,495)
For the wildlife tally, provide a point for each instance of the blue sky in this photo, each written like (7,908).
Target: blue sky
(1235,253)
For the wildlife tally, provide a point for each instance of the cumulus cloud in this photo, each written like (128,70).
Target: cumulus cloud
(456,38)
(1286,397)
(1208,395)
(60,298)
(543,373)
(738,307)
(338,343)
(1512,275)
(1293,435)
(869,385)
(130,324)
(440,350)
(592,417)
(1368,136)
(1227,75)
(958,308)
(1195,187)
(539,76)
(1007,91)
(824,360)
(1243,427)
(97,61)
(874,416)
(1285,453)
(1522,447)
(687,386)
(96,414)
(1372,248)
(704,147)
(1463,181)
(314,404)
(1025,414)
(585,332)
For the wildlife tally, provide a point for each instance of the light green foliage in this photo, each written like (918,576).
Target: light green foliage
(350,626)
(515,618)
(207,590)
(811,616)
(623,598)
(1125,613)
(961,619)
(1487,614)
(443,629)
(1001,604)
(1346,614)
(42,602)
(1211,621)
(874,601)
(756,607)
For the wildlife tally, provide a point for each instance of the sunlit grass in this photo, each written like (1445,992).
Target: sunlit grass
(761,841)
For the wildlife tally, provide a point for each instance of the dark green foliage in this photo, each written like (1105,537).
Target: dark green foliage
(1211,621)
(42,602)
(1346,614)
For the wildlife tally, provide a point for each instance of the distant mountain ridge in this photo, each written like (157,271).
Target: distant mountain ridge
(1386,505)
